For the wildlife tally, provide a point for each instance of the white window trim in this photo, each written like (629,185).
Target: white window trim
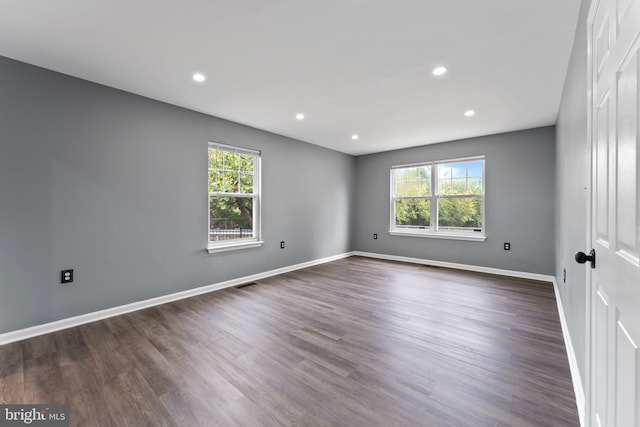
(441,235)
(432,232)
(256,240)
(251,243)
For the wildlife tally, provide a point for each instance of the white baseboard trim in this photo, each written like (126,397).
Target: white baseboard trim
(70,322)
(571,355)
(467,267)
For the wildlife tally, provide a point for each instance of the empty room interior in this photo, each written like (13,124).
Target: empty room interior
(337,213)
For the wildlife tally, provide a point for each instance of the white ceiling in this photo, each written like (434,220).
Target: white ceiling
(351,66)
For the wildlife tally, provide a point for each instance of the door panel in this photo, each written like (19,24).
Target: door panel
(623,8)
(614,383)
(601,359)
(626,378)
(602,173)
(627,124)
(602,41)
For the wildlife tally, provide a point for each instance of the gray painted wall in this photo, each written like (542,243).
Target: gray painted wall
(113,185)
(571,189)
(519,205)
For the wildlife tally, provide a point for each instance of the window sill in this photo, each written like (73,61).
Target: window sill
(448,236)
(212,249)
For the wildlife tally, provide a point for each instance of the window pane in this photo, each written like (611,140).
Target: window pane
(463,169)
(458,170)
(424,173)
(230,182)
(459,186)
(246,162)
(475,186)
(475,168)
(401,185)
(445,171)
(231,172)
(246,184)
(413,213)
(230,218)
(414,181)
(216,159)
(444,186)
(463,213)
(459,178)
(412,173)
(212,159)
(213,181)
(230,160)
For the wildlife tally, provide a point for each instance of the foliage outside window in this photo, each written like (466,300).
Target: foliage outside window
(234,197)
(439,199)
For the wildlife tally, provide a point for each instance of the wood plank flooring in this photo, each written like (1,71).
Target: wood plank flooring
(355,342)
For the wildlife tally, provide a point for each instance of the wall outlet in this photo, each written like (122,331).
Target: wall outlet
(66,276)
(282,245)
(507,246)
(375,236)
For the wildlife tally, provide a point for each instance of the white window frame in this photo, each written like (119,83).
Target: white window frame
(432,231)
(241,243)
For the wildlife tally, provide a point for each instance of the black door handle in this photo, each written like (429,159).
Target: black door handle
(581,258)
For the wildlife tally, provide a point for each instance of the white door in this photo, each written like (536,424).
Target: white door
(614,37)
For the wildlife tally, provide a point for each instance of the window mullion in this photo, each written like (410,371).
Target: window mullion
(242,195)
(459,196)
(434,198)
(239,174)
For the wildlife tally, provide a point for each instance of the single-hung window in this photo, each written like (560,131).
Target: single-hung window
(439,199)
(234,198)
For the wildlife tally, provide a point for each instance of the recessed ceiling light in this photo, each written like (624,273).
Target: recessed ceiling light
(354,137)
(469,113)
(199,77)
(299,116)
(438,71)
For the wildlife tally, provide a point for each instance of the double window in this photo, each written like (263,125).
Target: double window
(234,197)
(439,199)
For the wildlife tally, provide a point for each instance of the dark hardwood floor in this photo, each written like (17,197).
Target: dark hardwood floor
(356,342)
